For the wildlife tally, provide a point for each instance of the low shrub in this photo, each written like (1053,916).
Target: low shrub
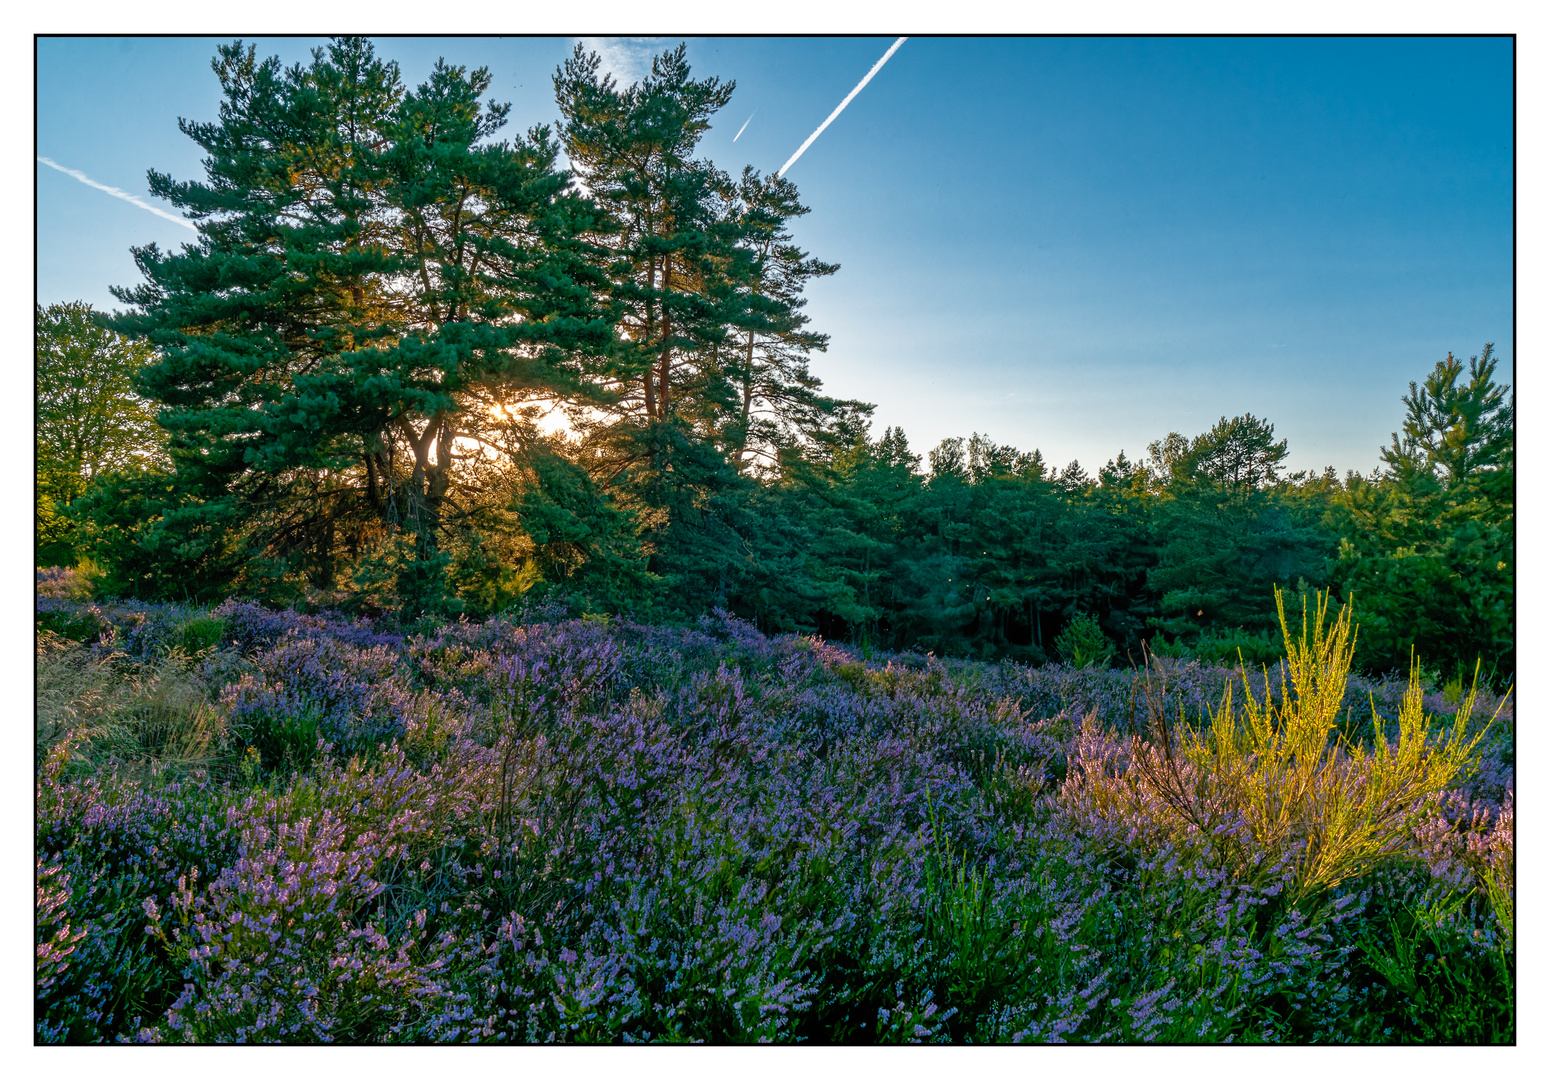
(1231,648)
(598,831)
(1272,782)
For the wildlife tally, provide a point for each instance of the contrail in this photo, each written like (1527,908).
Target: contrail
(745,124)
(841,106)
(118,193)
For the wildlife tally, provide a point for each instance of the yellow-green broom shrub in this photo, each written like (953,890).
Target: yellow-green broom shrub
(1273,784)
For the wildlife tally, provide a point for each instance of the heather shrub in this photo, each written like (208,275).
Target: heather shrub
(155,631)
(279,945)
(63,583)
(590,830)
(308,689)
(1492,855)
(106,843)
(73,622)
(252,627)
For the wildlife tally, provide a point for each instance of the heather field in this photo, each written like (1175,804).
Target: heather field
(471,609)
(261,826)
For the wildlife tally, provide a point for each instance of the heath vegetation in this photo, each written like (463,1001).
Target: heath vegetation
(463,617)
(317,829)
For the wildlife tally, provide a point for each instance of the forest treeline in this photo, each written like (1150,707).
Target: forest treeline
(413,366)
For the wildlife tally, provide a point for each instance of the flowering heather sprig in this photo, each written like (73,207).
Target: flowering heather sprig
(1468,844)
(272,944)
(252,627)
(1493,855)
(57,939)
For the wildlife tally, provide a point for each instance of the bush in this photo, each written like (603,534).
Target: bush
(1233,647)
(1273,784)
(64,582)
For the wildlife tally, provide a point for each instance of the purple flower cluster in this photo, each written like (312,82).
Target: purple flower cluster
(350,696)
(253,627)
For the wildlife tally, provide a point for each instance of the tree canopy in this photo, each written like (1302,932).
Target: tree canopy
(413,365)
(374,273)
(1428,549)
(87,419)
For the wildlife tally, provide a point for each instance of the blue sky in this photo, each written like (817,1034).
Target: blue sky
(1065,243)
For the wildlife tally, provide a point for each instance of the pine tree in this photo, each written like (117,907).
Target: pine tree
(839,514)
(371,264)
(1239,453)
(710,370)
(778,399)
(1227,532)
(632,149)
(1453,432)
(1427,550)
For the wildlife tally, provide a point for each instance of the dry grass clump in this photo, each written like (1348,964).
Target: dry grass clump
(153,718)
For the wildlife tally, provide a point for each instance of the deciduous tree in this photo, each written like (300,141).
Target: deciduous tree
(87,418)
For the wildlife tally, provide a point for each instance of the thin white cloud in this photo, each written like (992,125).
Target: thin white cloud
(628,60)
(745,124)
(118,193)
(841,106)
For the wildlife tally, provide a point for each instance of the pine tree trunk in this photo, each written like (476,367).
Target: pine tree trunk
(747,409)
(428,483)
(651,393)
(667,349)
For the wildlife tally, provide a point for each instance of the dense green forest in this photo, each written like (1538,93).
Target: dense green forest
(413,368)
